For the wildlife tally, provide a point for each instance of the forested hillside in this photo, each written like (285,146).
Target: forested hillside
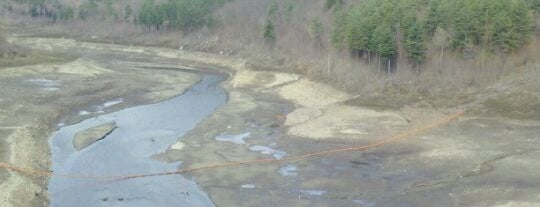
(369,26)
(415,47)
(379,26)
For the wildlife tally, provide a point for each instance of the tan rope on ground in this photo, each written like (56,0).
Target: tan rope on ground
(392,139)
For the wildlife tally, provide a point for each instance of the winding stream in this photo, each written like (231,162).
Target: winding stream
(142,132)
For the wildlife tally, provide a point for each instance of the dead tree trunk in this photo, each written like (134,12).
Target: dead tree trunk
(388,68)
(442,58)
(379,64)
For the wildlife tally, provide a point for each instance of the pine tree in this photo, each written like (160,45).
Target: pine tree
(415,43)
(66,14)
(383,37)
(523,23)
(273,9)
(316,31)
(269,34)
(329,4)
(128,11)
(339,29)
(145,14)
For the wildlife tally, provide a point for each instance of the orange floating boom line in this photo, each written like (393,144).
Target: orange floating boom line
(392,139)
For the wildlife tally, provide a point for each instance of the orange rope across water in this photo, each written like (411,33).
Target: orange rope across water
(392,139)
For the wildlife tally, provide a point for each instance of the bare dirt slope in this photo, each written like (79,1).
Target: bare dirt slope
(516,95)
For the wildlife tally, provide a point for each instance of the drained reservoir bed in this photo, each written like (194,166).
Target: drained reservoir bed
(142,132)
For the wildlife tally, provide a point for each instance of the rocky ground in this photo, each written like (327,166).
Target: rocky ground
(473,161)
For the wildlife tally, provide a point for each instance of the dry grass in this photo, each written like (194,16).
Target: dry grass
(16,56)
(516,105)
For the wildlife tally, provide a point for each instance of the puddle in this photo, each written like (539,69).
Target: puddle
(142,131)
(237,139)
(100,108)
(50,89)
(313,192)
(248,186)
(364,203)
(288,170)
(45,84)
(112,103)
(268,151)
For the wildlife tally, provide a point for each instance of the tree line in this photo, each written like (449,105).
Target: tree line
(55,10)
(178,14)
(374,28)
(382,27)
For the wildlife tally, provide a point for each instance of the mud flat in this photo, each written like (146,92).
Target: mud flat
(141,132)
(35,100)
(466,163)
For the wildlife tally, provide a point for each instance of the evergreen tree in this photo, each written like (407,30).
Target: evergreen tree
(523,24)
(383,38)
(273,9)
(128,11)
(66,14)
(269,33)
(534,4)
(316,31)
(339,30)
(88,9)
(414,42)
(110,12)
(329,4)
(146,12)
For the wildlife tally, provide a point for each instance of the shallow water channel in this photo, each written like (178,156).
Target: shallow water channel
(142,132)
